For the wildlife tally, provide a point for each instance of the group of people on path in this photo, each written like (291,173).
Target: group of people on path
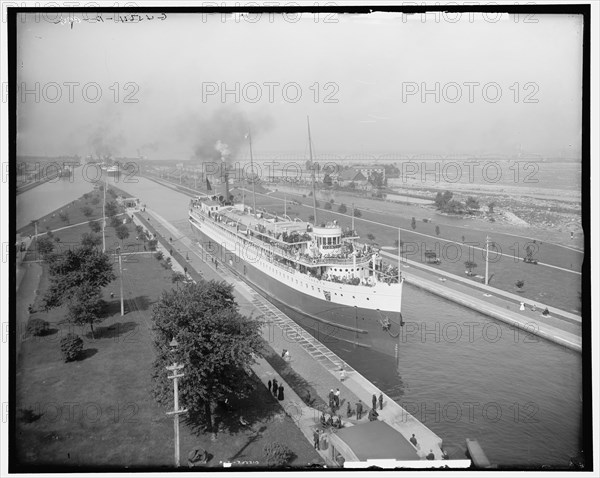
(275,388)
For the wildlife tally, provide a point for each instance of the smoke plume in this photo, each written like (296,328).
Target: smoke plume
(222,135)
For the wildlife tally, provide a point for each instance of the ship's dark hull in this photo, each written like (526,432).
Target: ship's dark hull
(327,321)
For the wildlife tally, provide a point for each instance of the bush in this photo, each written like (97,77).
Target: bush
(37,327)
(71,346)
(277,454)
(159,256)
(152,244)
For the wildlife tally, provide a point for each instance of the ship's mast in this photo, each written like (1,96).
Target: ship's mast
(253,177)
(313,172)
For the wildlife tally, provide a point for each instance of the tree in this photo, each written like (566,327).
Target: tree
(342,209)
(111,208)
(442,199)
(311,218)
(87,211)
(437,230)
(491,207)
(327,206)
(95,226)
(413,223)
(371,237)
(357,213)
(95,200)
(376,179)
(64,217)
(472,204)
(45,246)
(470,265)
(327,180)
(216,345)
(90,240)
(331,201)
(122,232)
(85,306)
(74,268)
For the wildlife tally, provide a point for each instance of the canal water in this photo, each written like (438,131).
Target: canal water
(462,374)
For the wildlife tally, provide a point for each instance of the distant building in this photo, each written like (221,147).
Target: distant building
(368,170)
(349,176)
(128,202)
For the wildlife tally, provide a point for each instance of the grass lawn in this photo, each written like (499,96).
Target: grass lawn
(99,410)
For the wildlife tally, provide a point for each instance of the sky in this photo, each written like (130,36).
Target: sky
(171,87)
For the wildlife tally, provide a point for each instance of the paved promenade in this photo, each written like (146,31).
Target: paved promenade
(310,359)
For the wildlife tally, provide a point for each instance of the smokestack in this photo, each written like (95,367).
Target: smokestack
(224,150)
(226,179)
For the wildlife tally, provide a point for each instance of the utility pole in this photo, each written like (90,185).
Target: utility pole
(104,216)
(121,277)
(487,254)
(176,410)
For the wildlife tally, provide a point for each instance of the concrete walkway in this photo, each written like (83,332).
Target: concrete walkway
(318,365)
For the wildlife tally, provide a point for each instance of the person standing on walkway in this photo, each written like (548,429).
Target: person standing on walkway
(380,401)
(413,440)
(270,386)
(349,411)
(342,374)
(275,386)
(331,399)
(374,402)
(280,394)
(359,409)
(337,398)
(316,438)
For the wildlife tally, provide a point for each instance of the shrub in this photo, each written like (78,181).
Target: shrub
(71,346)
(520,284)
(152,244)
(159,255)
(37,327)
(277,454)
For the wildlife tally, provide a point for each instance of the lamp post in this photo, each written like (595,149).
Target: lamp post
(176,410)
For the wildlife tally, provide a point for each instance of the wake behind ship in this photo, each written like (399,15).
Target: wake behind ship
(321,276)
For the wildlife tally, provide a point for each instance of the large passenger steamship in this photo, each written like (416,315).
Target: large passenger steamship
(322,276)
